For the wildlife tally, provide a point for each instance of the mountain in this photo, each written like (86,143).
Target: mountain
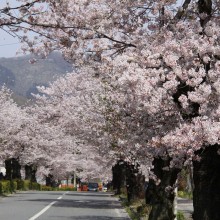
(22,77)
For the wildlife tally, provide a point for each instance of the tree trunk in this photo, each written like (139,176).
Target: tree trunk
(8,167)
(206,176)
(13,169)
(190,183)
(134,183)
(30,173)
(50,181)
(119,176)
(159,196)
(16,168)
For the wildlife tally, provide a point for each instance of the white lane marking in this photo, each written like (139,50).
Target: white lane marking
(121,213)
(45,209)
(42,211)
(118,212)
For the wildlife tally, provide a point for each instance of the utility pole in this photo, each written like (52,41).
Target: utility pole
(74,179)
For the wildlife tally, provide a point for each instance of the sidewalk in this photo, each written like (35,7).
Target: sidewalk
(185,206)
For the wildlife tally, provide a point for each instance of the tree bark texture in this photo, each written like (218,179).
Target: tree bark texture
(50,181)
(30,173)
(119,176)
(134,183)
(127,175)
(159,196)
(13,169)
(206,176)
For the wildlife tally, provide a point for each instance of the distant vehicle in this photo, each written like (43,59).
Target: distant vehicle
(104,188)
(84,186)
(93,187)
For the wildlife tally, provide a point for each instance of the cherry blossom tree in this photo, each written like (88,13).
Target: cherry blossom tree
(165,56)
(41,143)
(179,58)
(12,120)
(26,141)
(73,105)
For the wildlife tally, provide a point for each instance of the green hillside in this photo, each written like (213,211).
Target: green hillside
(22,77)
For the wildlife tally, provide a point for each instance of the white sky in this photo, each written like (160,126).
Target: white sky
(8,44)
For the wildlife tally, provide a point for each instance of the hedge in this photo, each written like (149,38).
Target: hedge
(49,188)
(5,187)
(14,185)
(23,185)
(35,186)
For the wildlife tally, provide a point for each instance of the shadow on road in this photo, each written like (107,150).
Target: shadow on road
(80,204)
(93,204)
(184,201)
(94,218)
(90,194)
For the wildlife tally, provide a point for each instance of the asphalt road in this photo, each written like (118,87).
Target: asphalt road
(185,206)
(47,205)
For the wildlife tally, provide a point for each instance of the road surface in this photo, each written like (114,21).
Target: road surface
(185,206)
(47,205)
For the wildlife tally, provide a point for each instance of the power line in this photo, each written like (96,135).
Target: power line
(1,45)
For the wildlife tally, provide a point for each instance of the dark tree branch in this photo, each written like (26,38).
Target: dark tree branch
(27,5)
(101,35)
(180,13)
(205,6)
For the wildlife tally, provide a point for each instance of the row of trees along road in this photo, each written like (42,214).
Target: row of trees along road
(145,89)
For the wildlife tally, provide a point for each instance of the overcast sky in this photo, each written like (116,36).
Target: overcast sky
(8,44)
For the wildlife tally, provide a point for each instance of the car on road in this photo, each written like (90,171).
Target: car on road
(93,187)
(104,188)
